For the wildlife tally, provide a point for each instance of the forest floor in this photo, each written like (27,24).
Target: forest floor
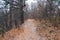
(33,29)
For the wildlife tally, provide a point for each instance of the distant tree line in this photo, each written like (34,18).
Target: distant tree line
(49,11)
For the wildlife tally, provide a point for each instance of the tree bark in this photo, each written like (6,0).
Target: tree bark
(11,15)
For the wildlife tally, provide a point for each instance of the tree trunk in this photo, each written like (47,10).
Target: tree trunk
(21,11)
(11,15)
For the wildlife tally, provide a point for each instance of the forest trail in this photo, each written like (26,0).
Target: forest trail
(33,30)
(29,31)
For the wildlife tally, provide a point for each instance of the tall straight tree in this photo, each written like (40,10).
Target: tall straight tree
(22,4)
(19,14)
(11,15)
(49,9)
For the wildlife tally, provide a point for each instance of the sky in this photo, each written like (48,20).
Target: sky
(29,2)
(1,3)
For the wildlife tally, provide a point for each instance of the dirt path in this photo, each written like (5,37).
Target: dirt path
(29,32)
(33,30)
